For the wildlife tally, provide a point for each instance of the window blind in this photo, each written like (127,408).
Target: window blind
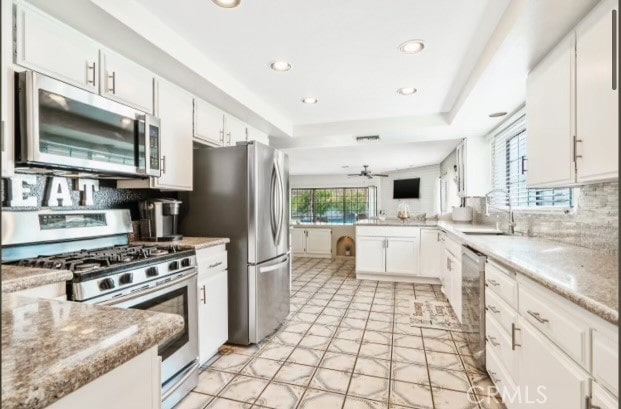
(510,168)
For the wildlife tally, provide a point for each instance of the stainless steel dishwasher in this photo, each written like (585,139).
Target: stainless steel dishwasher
(473,302)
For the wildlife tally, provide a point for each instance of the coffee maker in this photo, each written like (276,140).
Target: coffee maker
(159,219)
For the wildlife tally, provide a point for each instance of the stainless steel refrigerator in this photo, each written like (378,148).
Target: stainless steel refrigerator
(242,192)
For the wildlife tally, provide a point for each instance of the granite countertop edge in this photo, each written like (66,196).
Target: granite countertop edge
(62,381)
(592,305)
(17,278)
(187,243)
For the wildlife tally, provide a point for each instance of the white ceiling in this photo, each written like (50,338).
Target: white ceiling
(379,157)
(345,53)
(477,57)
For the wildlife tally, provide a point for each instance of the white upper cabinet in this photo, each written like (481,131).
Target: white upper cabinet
(6,85)
(208,123)
(473,167)
(258,136)
(53,48)
(573,107)
(235,130)
(549,118)
(597,103)
(126,81)
(175,112)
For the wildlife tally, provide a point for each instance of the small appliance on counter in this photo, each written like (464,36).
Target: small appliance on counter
(159,219)
(462,214)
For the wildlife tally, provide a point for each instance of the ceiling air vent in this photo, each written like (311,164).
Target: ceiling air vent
(369,138)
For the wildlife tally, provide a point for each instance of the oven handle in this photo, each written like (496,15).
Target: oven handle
(139,294)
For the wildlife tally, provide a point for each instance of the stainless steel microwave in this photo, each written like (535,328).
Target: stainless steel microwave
(63,127)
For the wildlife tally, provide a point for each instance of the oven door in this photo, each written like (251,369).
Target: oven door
(62,126)
(177,296)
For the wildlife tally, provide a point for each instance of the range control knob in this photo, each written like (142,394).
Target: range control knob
(186,262)
(173,265)
(106,284)
(126,278)
(152,271)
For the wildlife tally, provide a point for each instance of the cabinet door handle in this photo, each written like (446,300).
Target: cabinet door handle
(112,78)
(222,136)
(229,135)
(163,163)
(513,343)
(492,340)
(614,50)
(386,243)
(537,316)
(492,282)
(215,264)
(492,375)
(576,141)
(492,309)
(204,295)
(438,239)
(92,78)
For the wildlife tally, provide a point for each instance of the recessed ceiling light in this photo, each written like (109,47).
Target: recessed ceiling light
(309,100)
(497,114)
(412,47)
(280,65)
(227,4)
(406,91)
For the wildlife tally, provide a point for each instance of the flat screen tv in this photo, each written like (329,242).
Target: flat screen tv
(406,188)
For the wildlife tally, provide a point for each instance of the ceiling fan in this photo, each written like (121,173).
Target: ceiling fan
(367,173)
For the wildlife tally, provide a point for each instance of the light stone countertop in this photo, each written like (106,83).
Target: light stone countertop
(16,278)
(195,243)
(398,223)
(586,277)
(51,348)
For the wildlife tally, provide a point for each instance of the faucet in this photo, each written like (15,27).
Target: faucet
(510,212)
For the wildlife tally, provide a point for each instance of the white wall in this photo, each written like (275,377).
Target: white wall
(301,181)
(429,191)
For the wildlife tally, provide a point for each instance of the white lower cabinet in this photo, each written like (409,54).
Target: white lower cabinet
(544,351)
(311,242)
(213,322)
(547,377)
(390,253)
(401,255)
(371,254)
(136,384)
(430,253)
(602,399)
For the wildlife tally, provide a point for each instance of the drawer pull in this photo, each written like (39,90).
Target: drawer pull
(215,264)
(513,329)
(492,282)
(492,309)
(538,317)
(492,340)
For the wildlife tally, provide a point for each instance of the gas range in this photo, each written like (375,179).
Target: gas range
(107,270)
(120,269)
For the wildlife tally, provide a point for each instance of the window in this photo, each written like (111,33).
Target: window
(510,167)
(342,205)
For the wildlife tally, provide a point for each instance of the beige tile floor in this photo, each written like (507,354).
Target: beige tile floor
(347,344)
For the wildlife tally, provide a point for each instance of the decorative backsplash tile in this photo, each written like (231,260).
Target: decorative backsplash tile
(108,196)
(593,223)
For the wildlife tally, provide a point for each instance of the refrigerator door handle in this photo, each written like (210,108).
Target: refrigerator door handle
(274,266)
(273,217)
(281,202)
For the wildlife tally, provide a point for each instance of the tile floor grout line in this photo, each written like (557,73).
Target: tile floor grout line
(360,346)
(329,343)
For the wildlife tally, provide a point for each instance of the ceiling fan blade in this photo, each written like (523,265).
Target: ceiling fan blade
(380,175)
(353,174)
